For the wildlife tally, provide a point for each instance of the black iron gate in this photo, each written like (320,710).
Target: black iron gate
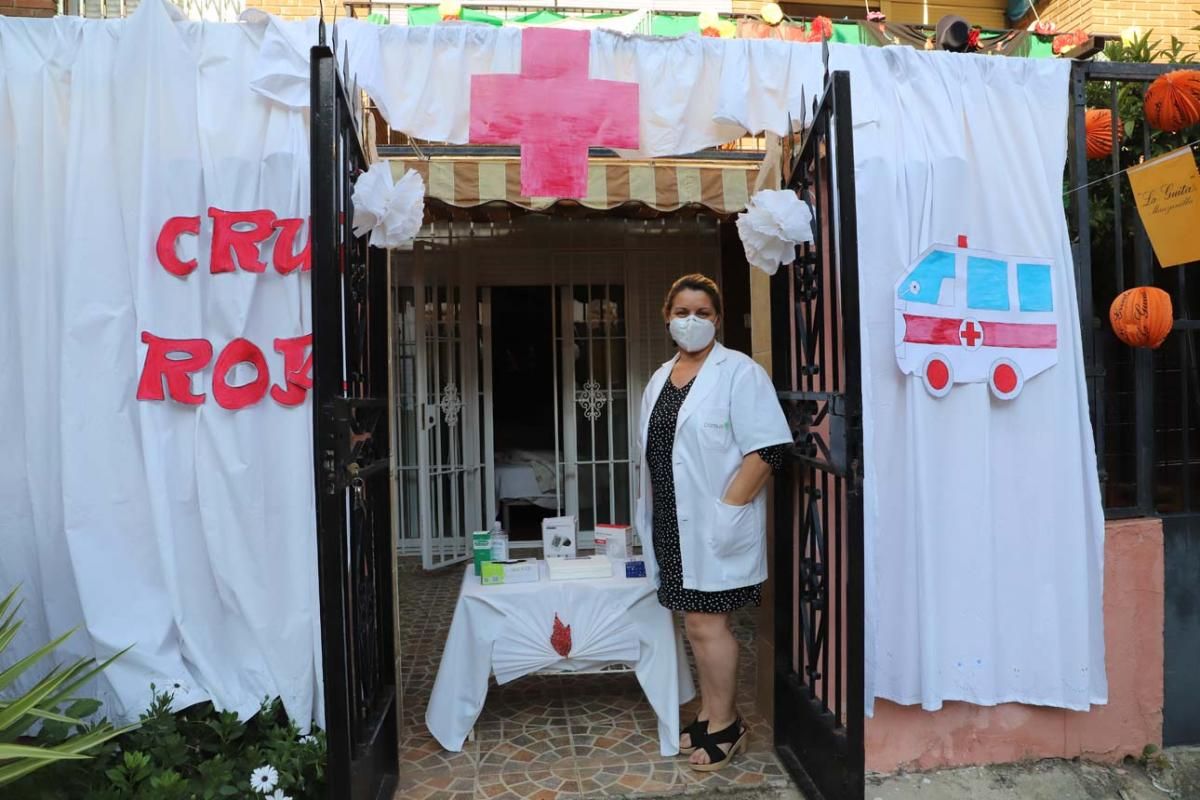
(351,453)
(818,502)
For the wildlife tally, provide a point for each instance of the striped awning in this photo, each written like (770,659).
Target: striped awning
(722,188)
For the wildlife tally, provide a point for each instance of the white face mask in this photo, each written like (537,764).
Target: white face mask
(692,333)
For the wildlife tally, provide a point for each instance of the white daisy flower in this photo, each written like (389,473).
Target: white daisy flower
(263,779)
(279,795)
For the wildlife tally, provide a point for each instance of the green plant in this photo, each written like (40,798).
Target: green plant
(198,753)
(50,702)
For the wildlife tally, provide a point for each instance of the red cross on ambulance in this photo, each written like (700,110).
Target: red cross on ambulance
(969,316)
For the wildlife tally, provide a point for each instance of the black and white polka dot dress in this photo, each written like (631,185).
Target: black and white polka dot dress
(660,444)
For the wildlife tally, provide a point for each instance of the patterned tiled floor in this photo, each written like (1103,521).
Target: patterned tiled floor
(551,737)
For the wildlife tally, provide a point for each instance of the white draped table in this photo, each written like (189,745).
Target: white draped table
(505,630)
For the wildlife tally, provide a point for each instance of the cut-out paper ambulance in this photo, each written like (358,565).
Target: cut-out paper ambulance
(969,316)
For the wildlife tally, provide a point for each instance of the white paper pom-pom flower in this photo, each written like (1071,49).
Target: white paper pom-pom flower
(370,197)
(773,223)
(405,211)
(392,213)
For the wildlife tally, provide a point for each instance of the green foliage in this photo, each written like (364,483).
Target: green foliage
(50,701)
(196,754)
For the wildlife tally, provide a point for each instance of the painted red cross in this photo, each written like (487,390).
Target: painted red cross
(970,334)
(554,111)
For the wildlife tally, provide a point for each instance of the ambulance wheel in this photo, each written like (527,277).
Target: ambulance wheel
(1005,379)
(938,375)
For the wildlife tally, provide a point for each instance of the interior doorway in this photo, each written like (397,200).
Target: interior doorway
(520,355)
(524,388)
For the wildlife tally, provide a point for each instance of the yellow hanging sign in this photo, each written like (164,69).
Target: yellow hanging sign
(1167,191)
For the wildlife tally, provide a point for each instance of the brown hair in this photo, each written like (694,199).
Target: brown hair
(697,283)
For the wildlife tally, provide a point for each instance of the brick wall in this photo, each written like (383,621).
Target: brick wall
(295,9)
(1164,17)
(28,8)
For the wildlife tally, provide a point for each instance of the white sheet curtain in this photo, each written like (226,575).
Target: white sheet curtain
(187,532)
(983,516)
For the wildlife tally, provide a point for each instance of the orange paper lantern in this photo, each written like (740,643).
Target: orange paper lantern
(1098,127)
(1142,317)
(1173,100)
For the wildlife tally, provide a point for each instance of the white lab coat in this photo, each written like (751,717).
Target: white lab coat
(730,411)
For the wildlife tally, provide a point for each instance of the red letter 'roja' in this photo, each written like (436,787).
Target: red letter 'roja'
(177,371)
(286,260)
(243,242)
(165,246)
(235,397)
(297,370)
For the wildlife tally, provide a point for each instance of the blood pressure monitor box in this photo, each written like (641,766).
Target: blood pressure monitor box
(614,541)
(558,536)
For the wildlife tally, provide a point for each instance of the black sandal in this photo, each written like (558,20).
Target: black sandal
(696,731)
(736,735)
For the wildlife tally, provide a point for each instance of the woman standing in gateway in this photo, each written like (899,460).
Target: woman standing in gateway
(712,430)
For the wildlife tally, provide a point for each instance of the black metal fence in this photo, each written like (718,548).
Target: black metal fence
(351,453)
(1145,404)
(818,503)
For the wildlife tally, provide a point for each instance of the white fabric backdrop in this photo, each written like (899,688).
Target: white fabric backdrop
(185,531)
(984,516)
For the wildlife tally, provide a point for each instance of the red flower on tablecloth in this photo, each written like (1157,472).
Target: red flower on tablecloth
(560,639)
(973,39)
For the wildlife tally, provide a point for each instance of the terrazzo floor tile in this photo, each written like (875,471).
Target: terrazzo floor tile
(420,751)
(526,749)
(417,784)
(554,784)
(613,743)
(531,701)
(618,779)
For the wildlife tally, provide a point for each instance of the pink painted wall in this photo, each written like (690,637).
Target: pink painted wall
(905,737)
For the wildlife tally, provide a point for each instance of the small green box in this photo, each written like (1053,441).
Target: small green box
(483,550)
(492,573)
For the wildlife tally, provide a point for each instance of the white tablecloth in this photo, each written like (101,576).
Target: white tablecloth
(506,630)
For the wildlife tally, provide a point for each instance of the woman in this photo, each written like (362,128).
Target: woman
(712,430)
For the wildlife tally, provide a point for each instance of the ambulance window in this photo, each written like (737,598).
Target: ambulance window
(1033,286)
(987,284)
(924,283)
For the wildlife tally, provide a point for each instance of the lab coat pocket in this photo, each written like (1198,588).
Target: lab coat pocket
(734,531)
(715,430)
